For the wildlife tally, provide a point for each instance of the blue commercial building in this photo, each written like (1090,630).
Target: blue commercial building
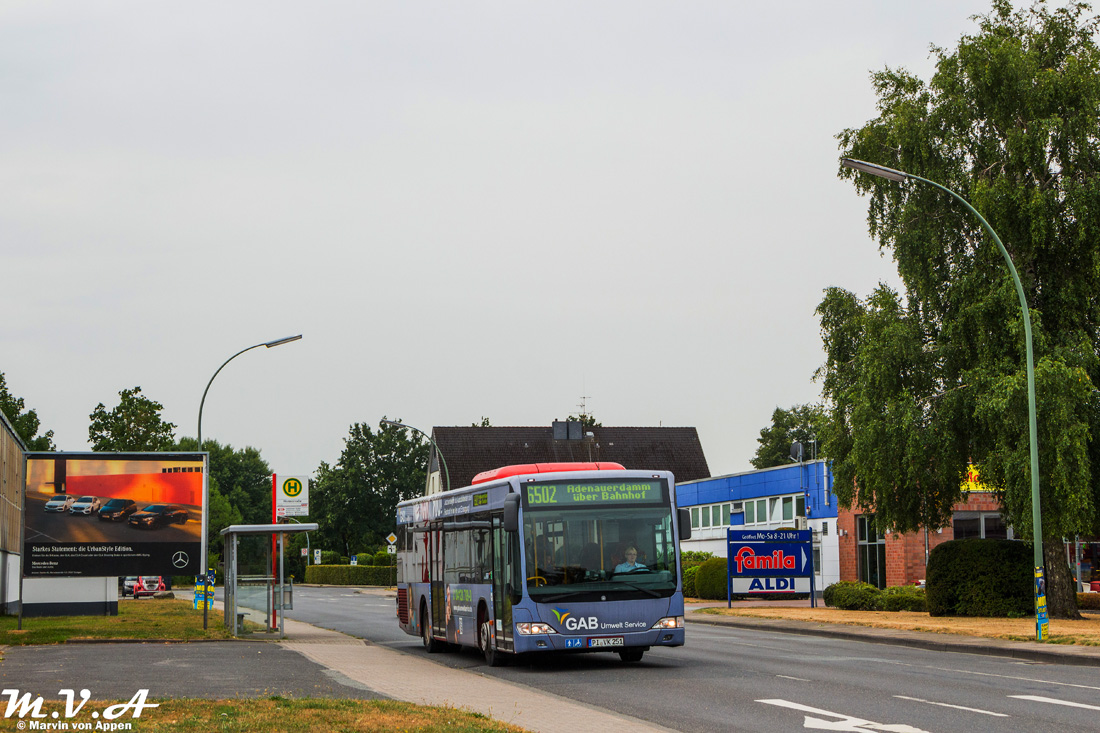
(796,495)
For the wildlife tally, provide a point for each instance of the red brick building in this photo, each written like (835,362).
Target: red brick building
(886,559)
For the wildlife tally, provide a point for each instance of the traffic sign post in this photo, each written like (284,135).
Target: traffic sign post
(770,561)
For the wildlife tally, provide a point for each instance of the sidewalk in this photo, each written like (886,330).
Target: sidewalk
(412,679)
(1025,650)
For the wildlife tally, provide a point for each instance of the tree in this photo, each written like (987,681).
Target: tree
(586,419)
(802,423)
(26,423)
(919,385)
(242,476)
(355,501)
(134,424)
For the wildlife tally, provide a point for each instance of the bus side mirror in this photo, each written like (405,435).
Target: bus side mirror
(685,524)
(511,513)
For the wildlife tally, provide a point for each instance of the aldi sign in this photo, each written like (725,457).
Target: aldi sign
(770,561)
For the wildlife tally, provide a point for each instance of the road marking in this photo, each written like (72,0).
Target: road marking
(1055,701)
(956,707)
(1012,677)
(846,722)
(797,679)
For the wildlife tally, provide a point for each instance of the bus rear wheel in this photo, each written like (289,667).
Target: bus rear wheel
(430,644)
(631,655)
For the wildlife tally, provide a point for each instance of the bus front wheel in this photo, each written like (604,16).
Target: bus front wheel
(633,654)
(493,657)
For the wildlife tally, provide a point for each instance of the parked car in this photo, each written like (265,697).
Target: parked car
(86,505)
(158,515)
(147,585)
(117,510)
(126,585)
(60,502)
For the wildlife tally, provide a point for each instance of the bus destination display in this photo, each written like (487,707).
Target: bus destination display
(628,491)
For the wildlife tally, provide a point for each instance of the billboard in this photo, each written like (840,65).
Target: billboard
(104,514)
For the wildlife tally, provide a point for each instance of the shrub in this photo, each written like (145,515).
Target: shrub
(689,581)
(851,595)
(977,577)
(350,575)
(904,598)
(711,579)
(694,556)
(331,557)
(1088,601)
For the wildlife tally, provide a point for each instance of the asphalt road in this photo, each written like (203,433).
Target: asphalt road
(735,679)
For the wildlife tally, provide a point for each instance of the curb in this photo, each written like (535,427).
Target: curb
(916,639)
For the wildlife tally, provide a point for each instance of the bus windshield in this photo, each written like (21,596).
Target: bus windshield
(598,541)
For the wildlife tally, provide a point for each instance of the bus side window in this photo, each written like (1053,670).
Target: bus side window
(512,567)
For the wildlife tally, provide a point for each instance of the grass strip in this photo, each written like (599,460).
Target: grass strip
(284,715)
(1084,632)
(152,619)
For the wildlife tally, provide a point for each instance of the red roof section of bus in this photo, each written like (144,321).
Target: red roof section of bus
(519,470)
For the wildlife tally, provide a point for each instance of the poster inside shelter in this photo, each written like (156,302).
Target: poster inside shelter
(113,514)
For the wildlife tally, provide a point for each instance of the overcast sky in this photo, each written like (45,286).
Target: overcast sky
(468,209)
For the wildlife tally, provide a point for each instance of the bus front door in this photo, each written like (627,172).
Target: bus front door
(504,575)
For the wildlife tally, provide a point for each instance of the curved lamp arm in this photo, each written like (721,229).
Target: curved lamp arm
(268,344)
(446,473)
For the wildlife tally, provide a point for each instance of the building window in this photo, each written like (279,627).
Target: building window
(871,551)
(825,529)
(800,506)
(983,525)
(817,560)
(695,517)
(788,508)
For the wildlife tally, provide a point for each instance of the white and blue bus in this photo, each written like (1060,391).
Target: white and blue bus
(545,557)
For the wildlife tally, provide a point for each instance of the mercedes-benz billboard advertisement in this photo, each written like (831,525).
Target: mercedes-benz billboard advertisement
(104,514)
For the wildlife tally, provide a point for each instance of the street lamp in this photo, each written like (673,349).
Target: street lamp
(1036,516)
(446,473)
(205,483)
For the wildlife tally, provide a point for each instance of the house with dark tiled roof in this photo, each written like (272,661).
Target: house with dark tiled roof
(467,451)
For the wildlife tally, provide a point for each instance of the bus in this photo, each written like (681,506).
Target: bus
(534,558)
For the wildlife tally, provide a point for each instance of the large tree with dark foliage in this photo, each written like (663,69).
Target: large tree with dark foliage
(803,424)
(25,422)
(922,382)
(135,424)
(354,502)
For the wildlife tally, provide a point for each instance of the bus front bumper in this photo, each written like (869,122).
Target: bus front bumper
(598,642)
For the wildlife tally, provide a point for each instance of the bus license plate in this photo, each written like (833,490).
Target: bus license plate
(606,641)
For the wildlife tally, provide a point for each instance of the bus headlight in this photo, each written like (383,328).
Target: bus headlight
(670,622)
(534,628)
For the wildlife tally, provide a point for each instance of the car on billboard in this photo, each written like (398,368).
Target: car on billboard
(158,515)
(147,585)
(117,510)
(86,505)
(59,503)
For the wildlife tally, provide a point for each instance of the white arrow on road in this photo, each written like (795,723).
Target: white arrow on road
(846,722)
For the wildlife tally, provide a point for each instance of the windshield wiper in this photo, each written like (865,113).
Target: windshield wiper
(642,588)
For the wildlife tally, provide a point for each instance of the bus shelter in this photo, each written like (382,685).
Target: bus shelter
(256,579)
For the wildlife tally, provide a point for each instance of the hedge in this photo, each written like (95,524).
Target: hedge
(711,580)
(904,598)
(351,575)
(689,581)
(1088,601)
(850,595)
(976,577)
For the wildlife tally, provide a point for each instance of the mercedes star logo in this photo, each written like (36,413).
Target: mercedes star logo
(179,559)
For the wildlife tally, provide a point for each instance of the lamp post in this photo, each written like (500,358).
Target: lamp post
(446,473)
(205,483)
(1036,516)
